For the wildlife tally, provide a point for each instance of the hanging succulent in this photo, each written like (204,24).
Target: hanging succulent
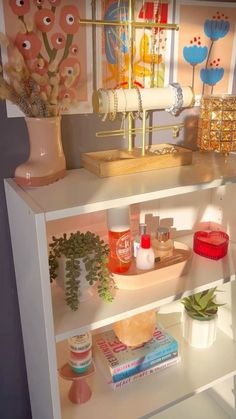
(201,306)
(93,252)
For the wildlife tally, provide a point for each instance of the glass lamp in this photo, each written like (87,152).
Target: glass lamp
(217,124)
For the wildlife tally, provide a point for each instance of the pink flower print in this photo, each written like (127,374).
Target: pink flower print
(67,97)
(40,66)
(55,2)
(58,40)
(28,44)
(38,2)
(69,19)
(74,49)
(20,7)
(66,93)
(44,19)
(70,71)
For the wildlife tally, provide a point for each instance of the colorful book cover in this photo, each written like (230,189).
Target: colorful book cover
(118,357)
(142,367)
(156,368)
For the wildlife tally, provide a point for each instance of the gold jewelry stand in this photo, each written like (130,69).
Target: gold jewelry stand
(131,160)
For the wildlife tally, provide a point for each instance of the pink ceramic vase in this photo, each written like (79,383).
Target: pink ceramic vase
(46,163)
(80,392)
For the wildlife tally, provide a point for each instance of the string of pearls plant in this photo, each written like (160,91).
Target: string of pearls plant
(93,252)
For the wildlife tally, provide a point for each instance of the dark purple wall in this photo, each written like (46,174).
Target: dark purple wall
(14,399)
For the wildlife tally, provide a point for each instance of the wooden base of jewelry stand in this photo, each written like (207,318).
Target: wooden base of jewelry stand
(123,162)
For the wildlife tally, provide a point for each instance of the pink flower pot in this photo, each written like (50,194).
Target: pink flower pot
(46,163)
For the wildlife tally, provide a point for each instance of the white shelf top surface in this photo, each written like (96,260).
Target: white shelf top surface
(203,273)
(82,192)
(197,371)
(200,406)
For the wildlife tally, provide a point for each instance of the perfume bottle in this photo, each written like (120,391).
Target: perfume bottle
(137,240)
(145,258)
(162,244)
(119,239)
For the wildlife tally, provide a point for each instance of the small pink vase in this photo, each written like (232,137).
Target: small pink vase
(80,392)
(46,163)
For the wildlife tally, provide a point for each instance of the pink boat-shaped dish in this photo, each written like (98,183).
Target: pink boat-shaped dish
(172,267)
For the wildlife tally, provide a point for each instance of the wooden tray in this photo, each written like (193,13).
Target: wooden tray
(123,162)
(135,278)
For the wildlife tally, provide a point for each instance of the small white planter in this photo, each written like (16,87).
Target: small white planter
(199,333)
(86,291)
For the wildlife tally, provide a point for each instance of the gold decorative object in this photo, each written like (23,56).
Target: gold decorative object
(123,162)
(130,103)
(217,124)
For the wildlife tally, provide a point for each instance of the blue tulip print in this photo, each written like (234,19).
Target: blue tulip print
(196,53)
(212,75)
(215,29)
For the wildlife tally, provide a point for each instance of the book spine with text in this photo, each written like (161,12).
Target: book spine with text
(145,373)
(161,352)
(143,366)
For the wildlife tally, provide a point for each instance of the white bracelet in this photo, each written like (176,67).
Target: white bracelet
(175,109)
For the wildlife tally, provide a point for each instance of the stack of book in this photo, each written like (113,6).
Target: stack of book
(122,365)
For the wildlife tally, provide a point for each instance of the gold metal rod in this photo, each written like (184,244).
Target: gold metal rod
(130,73)
(126,23)
(156,25)
(119,132)
(144,133)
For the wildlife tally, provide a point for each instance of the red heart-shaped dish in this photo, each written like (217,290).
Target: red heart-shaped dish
(211,244)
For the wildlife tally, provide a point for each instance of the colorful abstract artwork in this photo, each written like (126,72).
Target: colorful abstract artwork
(205,46)
(151,47)
(51,40)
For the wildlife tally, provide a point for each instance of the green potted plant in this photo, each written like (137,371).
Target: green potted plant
(200,318)
(77,263)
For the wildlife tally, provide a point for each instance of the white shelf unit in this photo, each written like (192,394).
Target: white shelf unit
(182,197)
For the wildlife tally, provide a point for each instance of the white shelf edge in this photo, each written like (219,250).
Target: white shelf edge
(32,204)
(197,407)
(134,199)
(82,192)
(141,309)
(223,396)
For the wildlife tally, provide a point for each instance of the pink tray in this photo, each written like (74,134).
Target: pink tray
(136,278)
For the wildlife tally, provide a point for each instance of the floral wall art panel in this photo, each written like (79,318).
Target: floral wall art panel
(54,46)
(151,46)
(205,46)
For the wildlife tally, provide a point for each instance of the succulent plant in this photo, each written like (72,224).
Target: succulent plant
(202,305)
(90,249)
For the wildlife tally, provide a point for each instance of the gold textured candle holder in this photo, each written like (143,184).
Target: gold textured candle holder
(217,124)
